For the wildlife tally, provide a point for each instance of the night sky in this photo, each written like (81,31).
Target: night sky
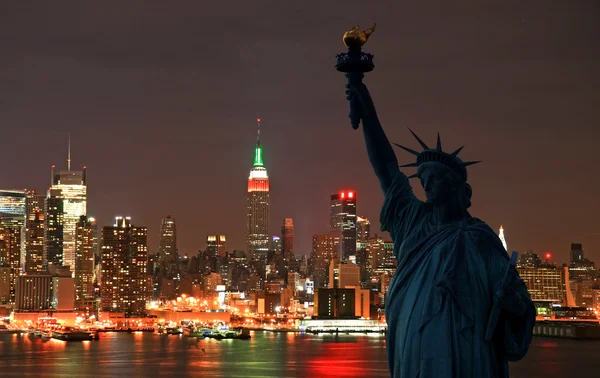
(161,99)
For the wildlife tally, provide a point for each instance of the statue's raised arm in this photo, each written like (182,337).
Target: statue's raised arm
(382,156)
(400,205)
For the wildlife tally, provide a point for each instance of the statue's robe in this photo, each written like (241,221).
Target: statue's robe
(440,298)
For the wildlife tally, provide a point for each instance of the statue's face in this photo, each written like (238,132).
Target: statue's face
(438,189)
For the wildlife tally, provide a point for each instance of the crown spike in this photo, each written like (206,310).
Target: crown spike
(439,143)
(407,149)
(466,164)
(457,151)
(419,140)
(409,165)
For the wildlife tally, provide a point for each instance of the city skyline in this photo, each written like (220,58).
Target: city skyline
(536,95)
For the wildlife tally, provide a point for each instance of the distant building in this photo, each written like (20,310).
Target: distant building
(66,202)
(84,262)
(363,229)
(335,303)
(287,239)
(124,263)
(322,254)
(276,245)
(211,281)
(32,257)
(12,221)
(216,246)
(543,283)
(5,285)
(343,275)
(581,268)
(167,247)
(257,238)
(34,292)
(342,221)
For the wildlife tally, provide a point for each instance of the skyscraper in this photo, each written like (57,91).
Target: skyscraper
(363,229)
(287,239)
(124,264)
(216,246)
(502,239)
(84,262)
(65,203)
(342,221)
(257,239)
(320,257)
(12,220)
(32,260)
(577,253)
(167,248)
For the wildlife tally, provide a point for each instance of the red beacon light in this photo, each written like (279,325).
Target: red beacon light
(350,194)
(548,255)
(343,195)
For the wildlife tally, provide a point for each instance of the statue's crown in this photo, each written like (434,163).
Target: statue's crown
(428,155)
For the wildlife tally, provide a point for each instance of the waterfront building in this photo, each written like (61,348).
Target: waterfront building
(32,258)
(124,267)
(84,262)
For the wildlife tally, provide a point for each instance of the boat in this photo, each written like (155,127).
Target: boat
(174,331)
(71,334)
(4,329)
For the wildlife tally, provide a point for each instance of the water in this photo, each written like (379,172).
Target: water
(265,355)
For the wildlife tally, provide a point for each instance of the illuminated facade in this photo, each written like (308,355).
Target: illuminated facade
(257,239)
(502,239)
(12,220)
(167,248)
(342,220)
(323,252)
(66,202)
(363,229)
(124,257)
(216,246)
(543,283)
(84,262)
(32,260)
(34,292)
(287,239)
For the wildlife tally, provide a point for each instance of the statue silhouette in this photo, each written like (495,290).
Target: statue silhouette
(455,306)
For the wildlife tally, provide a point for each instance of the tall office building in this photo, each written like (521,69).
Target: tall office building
(216,246)
(577,253)
(287,239)
(66,202)
(276,245)
(363,229)
(84,262)
(342,221)
(32,256)
(257,239)
(323,252)
(167,248)
(12,221)
(124,267)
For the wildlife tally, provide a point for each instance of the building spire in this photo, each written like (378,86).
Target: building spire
(69,155)
(258,150)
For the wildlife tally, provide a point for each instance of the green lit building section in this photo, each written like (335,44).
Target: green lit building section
(258,156)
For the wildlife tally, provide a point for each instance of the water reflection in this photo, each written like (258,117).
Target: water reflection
(265,355)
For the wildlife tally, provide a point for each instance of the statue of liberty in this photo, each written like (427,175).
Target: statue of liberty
(455,307)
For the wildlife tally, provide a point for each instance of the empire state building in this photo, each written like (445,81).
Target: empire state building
(258,205)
